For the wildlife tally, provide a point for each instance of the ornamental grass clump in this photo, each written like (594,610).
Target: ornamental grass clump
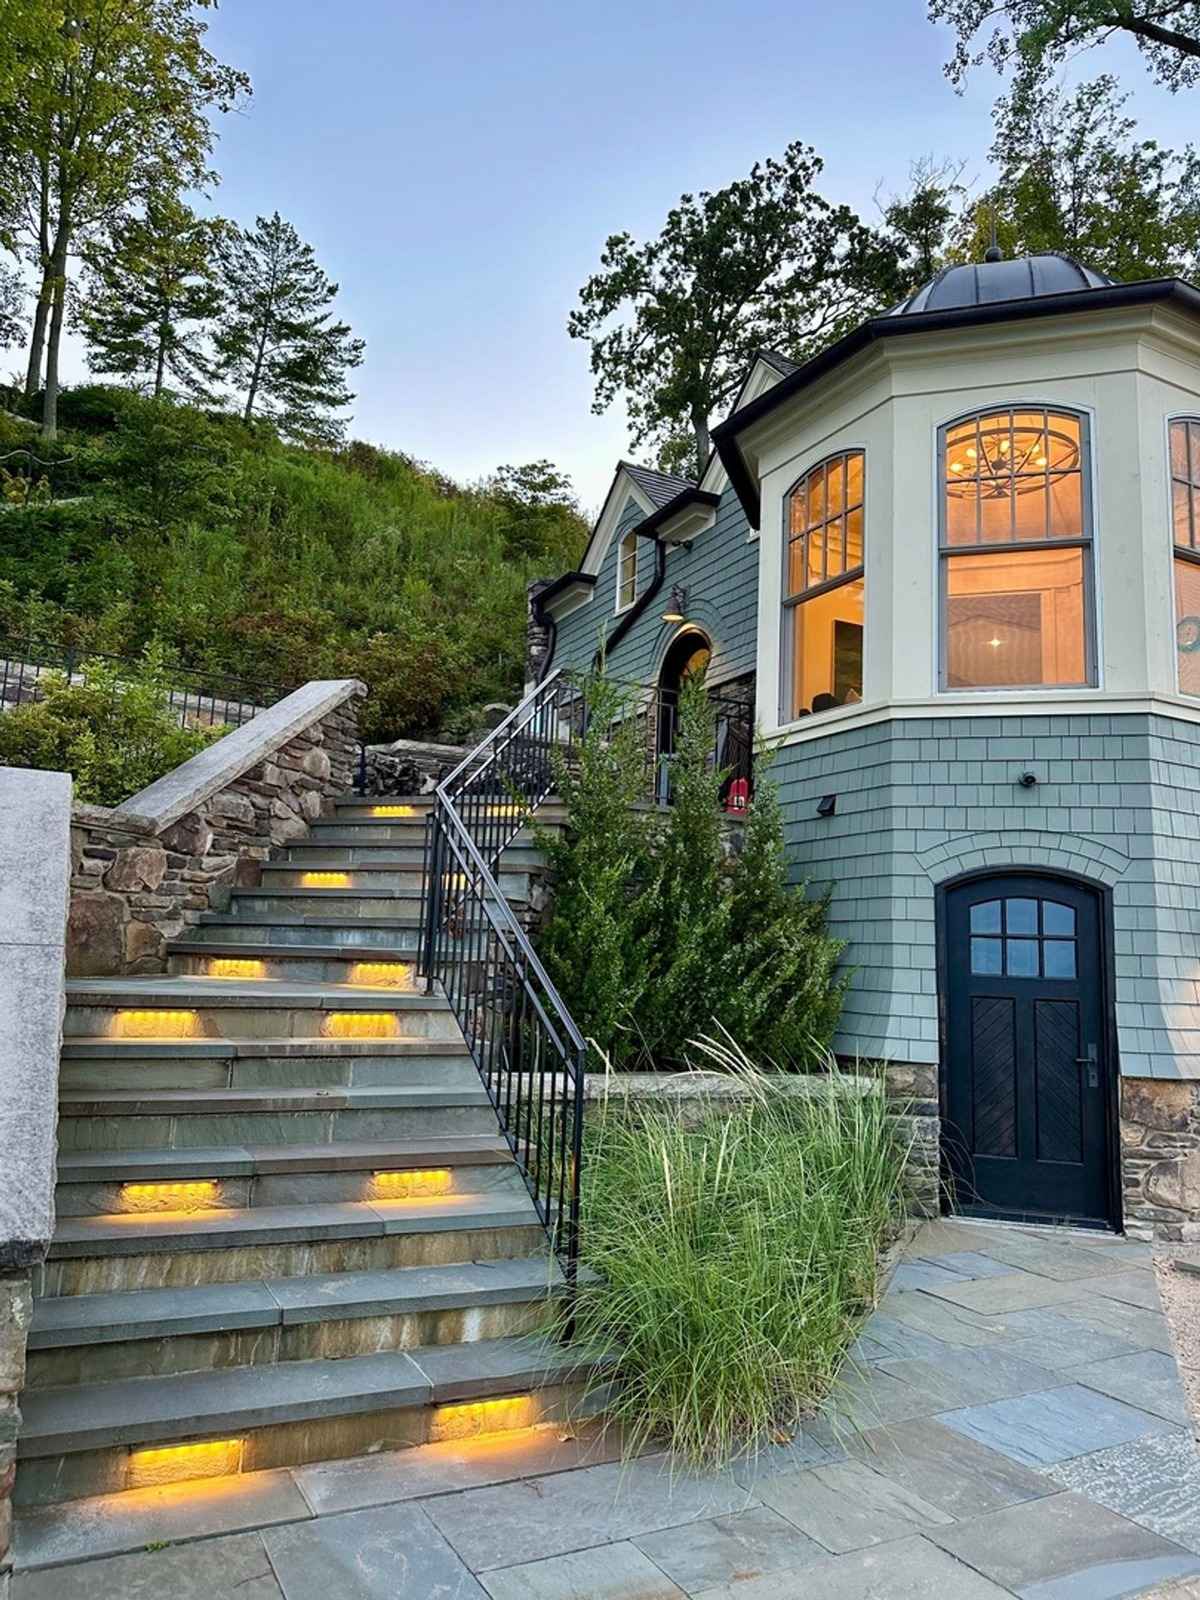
(735,1260)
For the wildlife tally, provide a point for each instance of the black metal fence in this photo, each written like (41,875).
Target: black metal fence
(29,479)
(201,699)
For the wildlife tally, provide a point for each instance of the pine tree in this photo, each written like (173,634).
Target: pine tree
(152,296)
(277,341)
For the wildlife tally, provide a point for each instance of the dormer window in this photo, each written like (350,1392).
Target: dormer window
(1185,521)
(1016,551)
(627,565)
(823,586)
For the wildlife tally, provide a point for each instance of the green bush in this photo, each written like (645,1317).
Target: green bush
(656,934)
(734,1261)
(115,732)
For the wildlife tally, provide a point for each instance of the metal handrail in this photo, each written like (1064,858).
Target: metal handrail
(529,1053)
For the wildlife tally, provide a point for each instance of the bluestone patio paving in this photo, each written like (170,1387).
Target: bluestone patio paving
(1011,1424)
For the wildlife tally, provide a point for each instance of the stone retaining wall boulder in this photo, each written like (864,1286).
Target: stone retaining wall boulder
(1160,1157)
(137,881)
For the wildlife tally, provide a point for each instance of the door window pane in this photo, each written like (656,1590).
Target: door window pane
(985,957)
(1058,958)
(1021,958)
(1058,919)
(985,917)
(1015,617)
(1020,916)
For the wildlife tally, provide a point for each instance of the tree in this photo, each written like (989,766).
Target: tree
(152,294)
(115,111)
(277,341)
(919,225)
(541,511)
(1074,176)
(1031,37)
(673,323)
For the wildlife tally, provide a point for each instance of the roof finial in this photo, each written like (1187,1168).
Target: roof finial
(993,251)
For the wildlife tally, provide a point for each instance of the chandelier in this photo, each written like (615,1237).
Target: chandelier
(1000,458)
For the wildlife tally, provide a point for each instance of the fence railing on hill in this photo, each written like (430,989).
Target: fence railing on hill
(200,698)
(28,479)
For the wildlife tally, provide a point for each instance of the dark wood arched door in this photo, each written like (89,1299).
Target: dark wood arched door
(1027,1124)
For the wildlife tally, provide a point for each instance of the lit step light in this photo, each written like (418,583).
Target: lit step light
(361,1025)
(236,967)
(156,1025)
(410,1184)
(324,880)
(200,1194)
(177,1463)
(381,974)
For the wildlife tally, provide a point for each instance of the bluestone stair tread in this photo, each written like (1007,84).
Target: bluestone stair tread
(157,1232)
(81,1047)
(159,1313)
(263,950)
(206,1102)
(236,1161)
(271,992)
(230,1401)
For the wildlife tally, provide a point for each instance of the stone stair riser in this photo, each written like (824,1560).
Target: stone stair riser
(294,965)
(167,1269)
(288,904)
(51,1478)
(179,1132)
(331,1338)
(85,1199)
(263,1020)
(267,1072)
(396,940)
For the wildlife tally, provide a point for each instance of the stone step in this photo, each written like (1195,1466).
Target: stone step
(92,1065)
(284,905)
(181,1119)
(514,879)
(191,1007)
(390,875)
(122,1251)
(384,967)
(342,832)
(92,1438)
(106,1182)
(152,1332)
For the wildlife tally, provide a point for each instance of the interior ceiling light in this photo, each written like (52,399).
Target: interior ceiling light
(1009,458)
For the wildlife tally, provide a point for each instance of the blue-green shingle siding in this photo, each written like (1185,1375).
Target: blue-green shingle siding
(719,570)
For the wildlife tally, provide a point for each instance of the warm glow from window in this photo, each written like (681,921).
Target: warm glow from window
(627,571)
(824,586)
(381,974)
(1187,624)
(393,811)
(480,1417)
(1015,617)
(215,1458)
(361,1025)
(236,967)
(1185,523)
(155,1025)
(410,1185)
(198,1195)
(1016,551)
(324,880)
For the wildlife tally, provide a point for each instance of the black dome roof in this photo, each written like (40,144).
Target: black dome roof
(982,283)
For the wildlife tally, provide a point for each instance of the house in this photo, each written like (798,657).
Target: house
(954,562)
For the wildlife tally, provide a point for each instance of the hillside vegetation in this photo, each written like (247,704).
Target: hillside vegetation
(246,555)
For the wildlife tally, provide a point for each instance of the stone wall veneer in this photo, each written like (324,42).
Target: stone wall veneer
(138,880)
(1160,1157)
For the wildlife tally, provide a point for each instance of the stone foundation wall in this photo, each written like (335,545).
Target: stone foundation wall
(1160,1157)
(912,1092)
(136,884)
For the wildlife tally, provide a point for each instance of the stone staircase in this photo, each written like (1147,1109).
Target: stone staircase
(289,1228)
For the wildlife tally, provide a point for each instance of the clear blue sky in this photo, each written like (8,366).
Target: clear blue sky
(458,166)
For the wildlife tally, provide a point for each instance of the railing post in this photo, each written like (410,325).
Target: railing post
(431,908)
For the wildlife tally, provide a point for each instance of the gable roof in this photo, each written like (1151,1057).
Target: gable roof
(784,365)
(659,487)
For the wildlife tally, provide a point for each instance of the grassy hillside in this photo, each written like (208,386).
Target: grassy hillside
(248,556)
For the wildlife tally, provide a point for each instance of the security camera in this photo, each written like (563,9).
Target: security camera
(1027,780)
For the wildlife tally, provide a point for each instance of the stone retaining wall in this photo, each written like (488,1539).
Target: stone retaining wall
(138,881)
(1160,1157)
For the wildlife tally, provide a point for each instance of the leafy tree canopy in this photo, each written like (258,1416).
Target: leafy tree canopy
(1028,37)
(278,342)
(674,322)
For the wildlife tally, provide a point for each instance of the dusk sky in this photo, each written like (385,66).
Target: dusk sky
(457,168)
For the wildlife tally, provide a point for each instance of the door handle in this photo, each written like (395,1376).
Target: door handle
(1092,1064)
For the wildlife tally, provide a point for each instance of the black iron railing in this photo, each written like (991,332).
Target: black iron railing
(200,699)
(530,1054)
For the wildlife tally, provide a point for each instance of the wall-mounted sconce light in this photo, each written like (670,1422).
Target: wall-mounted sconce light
(827,805)
(677,608)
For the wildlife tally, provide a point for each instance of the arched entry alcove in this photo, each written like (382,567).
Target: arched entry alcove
(687,656)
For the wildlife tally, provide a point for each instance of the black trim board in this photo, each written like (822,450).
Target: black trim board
(1111,296)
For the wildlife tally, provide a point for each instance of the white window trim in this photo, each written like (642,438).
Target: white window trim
(630,538)
(1172,548)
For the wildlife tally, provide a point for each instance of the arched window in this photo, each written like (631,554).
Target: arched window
(1185,522)
(1016,551)
(627,562)
(823,587)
